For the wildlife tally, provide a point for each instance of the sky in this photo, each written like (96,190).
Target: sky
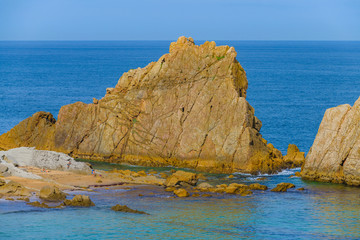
(169,19)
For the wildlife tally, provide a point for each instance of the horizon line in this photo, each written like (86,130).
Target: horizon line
(133,40)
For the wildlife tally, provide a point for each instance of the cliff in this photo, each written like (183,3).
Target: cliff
(335,153)
(188,109)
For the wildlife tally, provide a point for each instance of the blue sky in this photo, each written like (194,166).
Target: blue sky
(168,19)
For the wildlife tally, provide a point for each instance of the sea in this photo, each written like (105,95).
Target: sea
(291,84)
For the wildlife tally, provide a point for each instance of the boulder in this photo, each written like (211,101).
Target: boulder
(283,187)
(180,177)
(258,186)
(181,192)
(14,189)
(79,201)
(124,208)
(52,193)
(188,109)
(335,153)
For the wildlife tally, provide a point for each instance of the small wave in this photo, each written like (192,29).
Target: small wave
(284,172)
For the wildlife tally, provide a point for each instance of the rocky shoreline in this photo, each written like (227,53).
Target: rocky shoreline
(47,190)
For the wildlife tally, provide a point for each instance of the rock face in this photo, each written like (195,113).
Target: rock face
(25,156)
(52,193)
(335,153)
(188,109)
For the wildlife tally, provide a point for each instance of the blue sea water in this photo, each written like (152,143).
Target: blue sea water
(291,84)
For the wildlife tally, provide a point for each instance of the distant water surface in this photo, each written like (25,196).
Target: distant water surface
(290,86)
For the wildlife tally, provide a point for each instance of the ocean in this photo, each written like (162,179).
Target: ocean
(291,84)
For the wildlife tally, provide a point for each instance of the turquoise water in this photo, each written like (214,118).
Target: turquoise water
(290,86)
(322,211)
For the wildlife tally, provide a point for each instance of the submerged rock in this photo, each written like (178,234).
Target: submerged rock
(283,187)
(124,208)
(181,192)
(52,193)
(79,201)
(43,205)
(188,109)
(335,153)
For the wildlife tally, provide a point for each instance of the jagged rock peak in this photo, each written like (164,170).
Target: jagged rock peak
(187,63)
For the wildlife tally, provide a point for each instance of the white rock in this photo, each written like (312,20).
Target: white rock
(25,156)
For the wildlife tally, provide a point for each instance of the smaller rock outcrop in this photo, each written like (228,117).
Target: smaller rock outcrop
(124,208)
(181,177)
(181,192)
(79,201)
(14,189)
(52,193)
(283,187)
(294,158)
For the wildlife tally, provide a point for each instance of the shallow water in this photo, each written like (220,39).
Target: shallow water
(322,211)
(290,86)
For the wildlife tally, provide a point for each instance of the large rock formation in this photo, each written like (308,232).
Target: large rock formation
(335,153)
(188,109)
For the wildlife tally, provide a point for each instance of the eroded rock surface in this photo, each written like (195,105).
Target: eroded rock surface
(188,109)
(335,153)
